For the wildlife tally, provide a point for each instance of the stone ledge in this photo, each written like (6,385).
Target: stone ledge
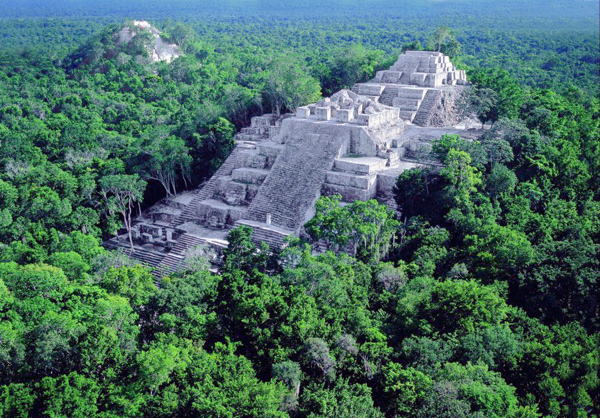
(361,165)
(352,180)
(249,175)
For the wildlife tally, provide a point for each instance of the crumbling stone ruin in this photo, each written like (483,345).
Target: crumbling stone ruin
(158,50)
(354,143)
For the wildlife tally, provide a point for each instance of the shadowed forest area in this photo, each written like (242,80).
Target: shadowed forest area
(480,300)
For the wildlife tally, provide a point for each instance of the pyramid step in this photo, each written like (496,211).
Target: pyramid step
(349,194)
(269,149)
(250,158)
(407,115)
(218,214)
(273,236)
(351,180)
(407,104)
(361,166)
(249,175)
(411,93)
(368,89)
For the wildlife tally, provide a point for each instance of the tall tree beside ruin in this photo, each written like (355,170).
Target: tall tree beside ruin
(444,40)
(439,36)
(289,86)
(120,193)
(167,158)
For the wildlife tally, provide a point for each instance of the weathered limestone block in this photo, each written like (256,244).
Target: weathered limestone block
(270,150)
(303,112)
(416,146)
(418,79)
(231,192)
(135,234)
(218,214)
(386,183)
(263,121)
(344,115)
(411,93)
(391,76)
(249,175)
(407,104)
(351,180)
(250,159)
(274,130)
(369,89)
(146,237)
(323,113)
(361,166)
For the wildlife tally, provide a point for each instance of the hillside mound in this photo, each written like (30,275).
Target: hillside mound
(135,39)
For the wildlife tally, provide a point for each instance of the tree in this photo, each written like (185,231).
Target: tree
(166,159)
(351,65)
(55,343)
(70,395)
(469,391)
(500,181)
(223,384)
(407,389)
(120,192)
(343,399)
(136,283)
(418,191)
(470,305)
(440,34)
(289,373)
(288,86)
(368,228)
(463,178)
(443,40)
(318,358)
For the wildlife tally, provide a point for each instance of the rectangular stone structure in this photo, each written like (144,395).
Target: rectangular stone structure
(303,112)
(344,115)
(323,113)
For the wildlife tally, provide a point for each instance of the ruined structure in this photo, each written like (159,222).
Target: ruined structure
(158,49)
(423,85)
(354,143)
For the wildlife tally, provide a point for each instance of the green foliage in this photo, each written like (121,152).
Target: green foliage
(288,86)
(486,304)
(367,229)
(341,400)
(350,65)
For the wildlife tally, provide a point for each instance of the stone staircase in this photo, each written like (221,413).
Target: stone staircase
(273,236)
(427,104)
(407,84)
(147,257)
(225,197)
(169,264)
(294,183)
(406,98)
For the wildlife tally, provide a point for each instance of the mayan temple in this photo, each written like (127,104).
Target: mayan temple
(354,143)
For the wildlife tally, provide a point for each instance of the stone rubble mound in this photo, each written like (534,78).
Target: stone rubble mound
(160,50)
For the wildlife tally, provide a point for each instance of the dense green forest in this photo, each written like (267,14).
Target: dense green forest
(480,301)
